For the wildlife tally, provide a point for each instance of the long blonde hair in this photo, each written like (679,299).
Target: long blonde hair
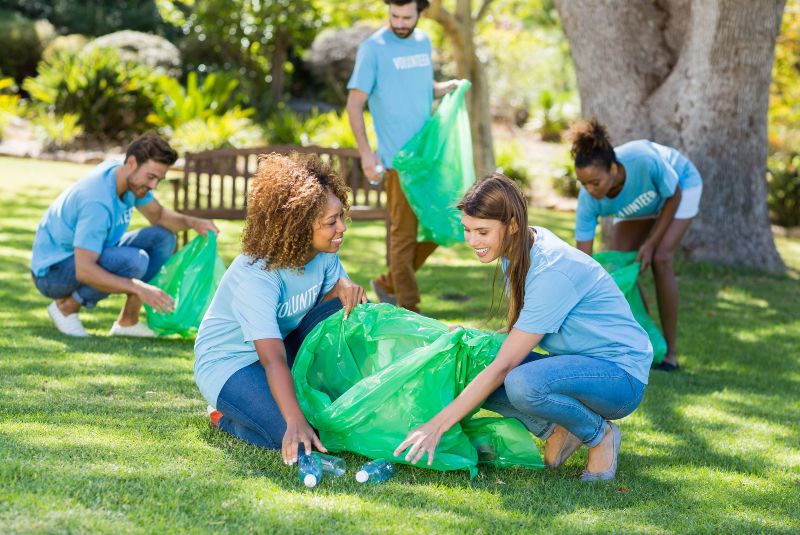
(499,198)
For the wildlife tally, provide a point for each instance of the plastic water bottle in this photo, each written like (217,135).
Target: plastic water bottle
(309,469)
(331,464)
(381,171)
(376,471)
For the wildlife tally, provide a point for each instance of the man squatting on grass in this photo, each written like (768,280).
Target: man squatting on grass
(81,252)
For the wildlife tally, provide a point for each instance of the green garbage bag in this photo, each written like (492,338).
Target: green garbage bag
(190,277)
(624,270)
(436,169)
(365,382)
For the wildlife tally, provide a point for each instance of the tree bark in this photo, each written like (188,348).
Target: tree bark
(695,76)
(278,57)
(459,27)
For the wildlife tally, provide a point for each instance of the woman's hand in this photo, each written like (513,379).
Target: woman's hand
(298,432)
(423,439)
(645,255)
(350,294)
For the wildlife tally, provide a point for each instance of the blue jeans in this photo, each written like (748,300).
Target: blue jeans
(249,411)
(576,392)
(139,255)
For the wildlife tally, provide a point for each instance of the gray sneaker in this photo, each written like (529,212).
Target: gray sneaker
(383,295)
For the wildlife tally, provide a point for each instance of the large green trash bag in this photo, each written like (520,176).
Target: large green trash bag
(624,270)
(190,277)
(365,382)
(436,169)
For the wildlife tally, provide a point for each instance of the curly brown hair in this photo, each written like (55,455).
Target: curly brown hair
(287,196)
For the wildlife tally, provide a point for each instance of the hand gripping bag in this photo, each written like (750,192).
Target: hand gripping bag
(190,277)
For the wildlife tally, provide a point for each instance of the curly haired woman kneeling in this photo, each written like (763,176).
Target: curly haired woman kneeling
(289,264)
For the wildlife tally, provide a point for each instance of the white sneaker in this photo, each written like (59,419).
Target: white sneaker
(70,325)
(139,330)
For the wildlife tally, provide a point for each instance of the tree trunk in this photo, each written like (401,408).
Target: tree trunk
(278,57)
(459,27)
(695,76)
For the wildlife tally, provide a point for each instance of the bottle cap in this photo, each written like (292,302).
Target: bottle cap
(310,480)
(362,476)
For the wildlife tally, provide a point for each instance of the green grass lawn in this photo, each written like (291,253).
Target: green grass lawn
(110,435)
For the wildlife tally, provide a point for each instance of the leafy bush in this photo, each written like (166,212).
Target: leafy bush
(564,181)
(784,111)
(22,41)
(57,131)
(330,130)
(284,127)
(231,129)
(552,113)
(511,162)
(333,130)
(111,97)
(783,189)
(94,17)
(9,102)
(177,105)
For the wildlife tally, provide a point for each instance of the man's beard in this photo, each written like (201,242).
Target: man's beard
(403,35)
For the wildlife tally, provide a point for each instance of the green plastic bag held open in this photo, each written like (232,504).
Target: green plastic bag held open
(365,382)
(190,277)
(625,270)
(436,169)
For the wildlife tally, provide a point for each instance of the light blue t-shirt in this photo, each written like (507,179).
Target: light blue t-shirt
(652,172)
(397,74)
(252,304)
(575,303)
(89,215)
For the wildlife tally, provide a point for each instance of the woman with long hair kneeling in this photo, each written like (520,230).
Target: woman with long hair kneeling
(296,212)
(563,301)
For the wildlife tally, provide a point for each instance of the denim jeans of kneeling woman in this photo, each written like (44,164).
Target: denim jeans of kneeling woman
(249,411)
(575,391)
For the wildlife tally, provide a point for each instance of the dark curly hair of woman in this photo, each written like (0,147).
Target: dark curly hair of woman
(287,197)
(591,144)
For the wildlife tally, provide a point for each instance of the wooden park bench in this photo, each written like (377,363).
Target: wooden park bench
(215,183)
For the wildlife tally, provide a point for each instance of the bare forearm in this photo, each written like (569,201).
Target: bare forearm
(355,112)
(281,385)
(472,396)
(95,276)
(175,221)
(586,246)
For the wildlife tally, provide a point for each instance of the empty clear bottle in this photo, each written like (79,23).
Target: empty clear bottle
(376,471)
(381,171)
(331,464)
(309,468)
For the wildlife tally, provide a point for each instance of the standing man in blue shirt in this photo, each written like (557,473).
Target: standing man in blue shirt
(81,252)
(394,73)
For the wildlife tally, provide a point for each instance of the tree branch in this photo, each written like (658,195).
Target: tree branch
(449,23)
(483,10)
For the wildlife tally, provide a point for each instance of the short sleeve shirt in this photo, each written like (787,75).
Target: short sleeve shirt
(89,215)
(652,171)
(397,75)
(253,303)
(575,304)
